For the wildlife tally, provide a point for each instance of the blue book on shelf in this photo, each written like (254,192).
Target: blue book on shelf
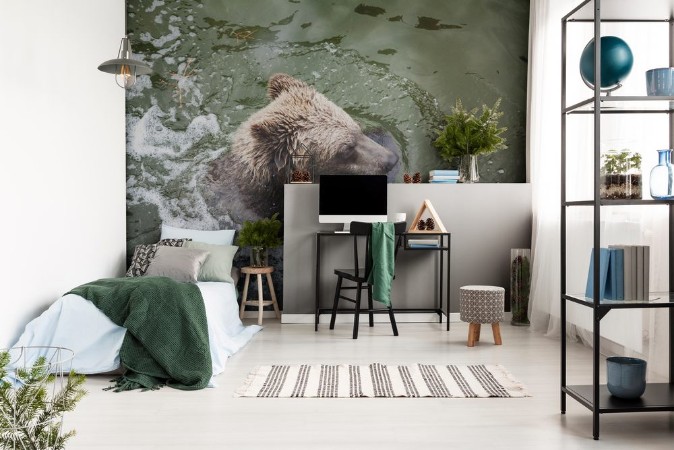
(620,273)
(443,172)
(444,181)
(603,273)
(615,286)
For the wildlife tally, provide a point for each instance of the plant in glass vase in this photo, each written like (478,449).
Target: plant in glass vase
(260,236)
(620,175)
(467,134)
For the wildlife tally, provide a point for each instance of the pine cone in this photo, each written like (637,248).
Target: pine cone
(407,178)
(416,178)
(430,224)
(421,225)
(300,176)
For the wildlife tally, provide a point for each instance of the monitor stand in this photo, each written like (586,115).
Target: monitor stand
(346,228)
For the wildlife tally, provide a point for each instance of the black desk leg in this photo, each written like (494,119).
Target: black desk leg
(440,277)
(318,288)
(449,253)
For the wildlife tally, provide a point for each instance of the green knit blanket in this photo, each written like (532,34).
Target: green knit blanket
(166,342)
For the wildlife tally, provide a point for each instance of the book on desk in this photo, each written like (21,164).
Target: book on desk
(423,243)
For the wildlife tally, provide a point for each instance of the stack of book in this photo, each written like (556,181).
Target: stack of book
(444,176)
(623,273)
(423,243)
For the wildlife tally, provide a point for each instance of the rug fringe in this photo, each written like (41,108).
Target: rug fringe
(241,391)
(513,383)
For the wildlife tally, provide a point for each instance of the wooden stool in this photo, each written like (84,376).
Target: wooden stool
(482,304)
(259,271)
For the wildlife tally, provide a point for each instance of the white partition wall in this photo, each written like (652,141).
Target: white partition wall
(62,153)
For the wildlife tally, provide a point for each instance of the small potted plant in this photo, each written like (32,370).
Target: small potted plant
(620,175)
(260,236)
(467,134)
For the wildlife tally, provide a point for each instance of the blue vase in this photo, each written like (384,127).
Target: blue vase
(625,377)
(662,186)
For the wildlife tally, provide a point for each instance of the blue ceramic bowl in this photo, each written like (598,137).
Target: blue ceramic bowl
(626,377)
(660,81)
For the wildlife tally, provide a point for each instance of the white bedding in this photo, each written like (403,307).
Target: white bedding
(75,323)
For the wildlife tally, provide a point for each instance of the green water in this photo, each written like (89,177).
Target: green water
(393,65)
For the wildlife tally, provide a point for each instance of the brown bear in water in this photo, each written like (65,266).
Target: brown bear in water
(247,182)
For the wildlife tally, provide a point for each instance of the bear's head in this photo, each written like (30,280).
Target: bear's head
(298,120)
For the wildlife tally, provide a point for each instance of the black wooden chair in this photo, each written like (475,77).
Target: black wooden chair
(359,275)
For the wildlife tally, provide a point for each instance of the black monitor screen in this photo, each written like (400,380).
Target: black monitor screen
(352,195)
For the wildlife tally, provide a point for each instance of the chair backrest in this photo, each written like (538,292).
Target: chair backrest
(365,229)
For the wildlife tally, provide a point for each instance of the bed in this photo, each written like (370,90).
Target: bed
(76,323)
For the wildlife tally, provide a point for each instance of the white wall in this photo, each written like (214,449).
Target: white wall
(62,153)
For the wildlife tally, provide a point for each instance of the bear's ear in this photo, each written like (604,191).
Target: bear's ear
(267,133)
(280,82)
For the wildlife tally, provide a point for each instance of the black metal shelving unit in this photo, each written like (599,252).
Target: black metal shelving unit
(595,396)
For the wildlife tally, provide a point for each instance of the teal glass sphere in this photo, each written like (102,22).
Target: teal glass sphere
(616,62)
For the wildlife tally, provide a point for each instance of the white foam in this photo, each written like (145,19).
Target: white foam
(159,42)
(148,136)
(155,4)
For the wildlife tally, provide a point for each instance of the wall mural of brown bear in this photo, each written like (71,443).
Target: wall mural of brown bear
(246,183)
(237,84)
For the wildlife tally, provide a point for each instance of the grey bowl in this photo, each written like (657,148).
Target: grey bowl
(626,377)
(660,81)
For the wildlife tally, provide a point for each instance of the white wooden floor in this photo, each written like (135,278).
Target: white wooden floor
(214,419)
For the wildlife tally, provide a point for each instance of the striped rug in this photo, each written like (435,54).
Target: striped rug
(379,380)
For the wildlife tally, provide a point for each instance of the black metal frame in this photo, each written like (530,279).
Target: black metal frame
(658,396)
(442,275)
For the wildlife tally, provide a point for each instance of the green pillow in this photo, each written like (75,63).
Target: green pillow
(218,265)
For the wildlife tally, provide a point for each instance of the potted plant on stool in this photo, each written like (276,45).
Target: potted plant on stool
(260,236)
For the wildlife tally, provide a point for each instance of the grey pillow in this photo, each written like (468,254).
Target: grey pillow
(181,264)
(218,265)
(143,254)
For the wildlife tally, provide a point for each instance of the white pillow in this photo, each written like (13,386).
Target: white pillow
(218,237)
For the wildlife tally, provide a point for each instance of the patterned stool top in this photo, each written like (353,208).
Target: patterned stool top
(481,304)
(482,288)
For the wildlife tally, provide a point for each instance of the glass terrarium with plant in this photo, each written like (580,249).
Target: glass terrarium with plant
(620,175)
(260,236)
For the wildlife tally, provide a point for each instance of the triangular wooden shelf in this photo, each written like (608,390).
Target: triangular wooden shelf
(439,227)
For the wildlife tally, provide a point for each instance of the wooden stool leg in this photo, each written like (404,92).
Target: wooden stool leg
(273,296)
(260,298)
(473,329)
(496,329)
(244,296)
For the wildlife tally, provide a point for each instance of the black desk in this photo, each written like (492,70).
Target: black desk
(443,250)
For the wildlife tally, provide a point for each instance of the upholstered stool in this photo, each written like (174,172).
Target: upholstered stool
(259,271)
(482,304)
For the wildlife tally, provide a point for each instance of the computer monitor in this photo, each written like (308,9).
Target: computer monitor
(346,198)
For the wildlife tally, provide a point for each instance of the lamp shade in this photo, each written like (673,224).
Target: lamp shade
(124,67)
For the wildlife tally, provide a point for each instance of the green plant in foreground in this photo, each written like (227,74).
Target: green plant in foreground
(261,233)
(29,418)
(469,133)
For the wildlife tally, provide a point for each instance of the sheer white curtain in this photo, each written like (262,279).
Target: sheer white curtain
(636,332)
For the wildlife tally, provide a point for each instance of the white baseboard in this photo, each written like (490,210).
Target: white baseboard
(265,314)
(348,318)
(379,318)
